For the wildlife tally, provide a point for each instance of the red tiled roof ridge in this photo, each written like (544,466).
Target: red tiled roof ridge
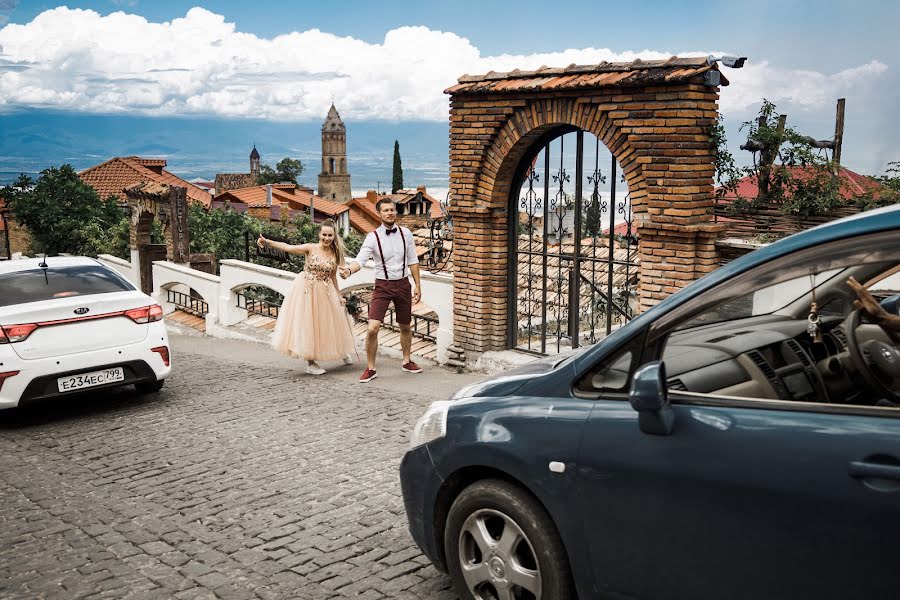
(151,173)
(148,162)
(165,177)
(95,167)
(255,196)
(602,67)
(748,186)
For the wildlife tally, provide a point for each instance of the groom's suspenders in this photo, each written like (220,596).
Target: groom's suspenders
(381,252)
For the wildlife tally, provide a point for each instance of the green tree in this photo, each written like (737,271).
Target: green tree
(886,191)
(397,180)
(353,243)
(64,214)
(100,239)
(792,174)
(287,170)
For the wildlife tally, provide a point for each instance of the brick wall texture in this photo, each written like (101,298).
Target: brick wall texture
(660,136)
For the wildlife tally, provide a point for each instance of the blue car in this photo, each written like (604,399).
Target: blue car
(739,440)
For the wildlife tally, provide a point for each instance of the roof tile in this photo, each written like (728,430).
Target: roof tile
(110,178)
(603,74)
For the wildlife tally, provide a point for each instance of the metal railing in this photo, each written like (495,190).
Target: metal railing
(188,303)
(263,308)
(423,327)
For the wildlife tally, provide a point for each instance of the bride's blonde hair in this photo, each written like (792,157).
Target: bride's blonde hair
(337,246)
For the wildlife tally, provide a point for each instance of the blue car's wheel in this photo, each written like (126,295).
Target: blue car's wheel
(500,544)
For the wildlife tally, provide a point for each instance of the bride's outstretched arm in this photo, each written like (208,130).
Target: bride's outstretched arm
(290,249)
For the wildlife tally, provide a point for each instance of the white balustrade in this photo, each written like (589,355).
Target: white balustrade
(220,292)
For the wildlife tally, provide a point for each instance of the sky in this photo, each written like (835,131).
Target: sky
(390,61)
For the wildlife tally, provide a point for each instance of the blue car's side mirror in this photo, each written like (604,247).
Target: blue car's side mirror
(649,397)
(891,304)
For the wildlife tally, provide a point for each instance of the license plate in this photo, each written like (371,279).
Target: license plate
(94,378)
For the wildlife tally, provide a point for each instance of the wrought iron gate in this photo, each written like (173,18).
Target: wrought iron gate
(573,258)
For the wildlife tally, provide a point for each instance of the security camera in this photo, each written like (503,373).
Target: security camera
(734,62)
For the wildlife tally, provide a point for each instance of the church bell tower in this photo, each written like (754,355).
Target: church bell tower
(334,180)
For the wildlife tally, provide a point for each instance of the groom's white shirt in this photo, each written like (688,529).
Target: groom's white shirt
(393,252)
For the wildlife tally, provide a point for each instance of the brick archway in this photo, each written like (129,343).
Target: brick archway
(654,117)
(146,203)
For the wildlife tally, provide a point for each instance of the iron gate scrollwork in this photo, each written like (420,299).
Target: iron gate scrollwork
(574,257)
(440,239)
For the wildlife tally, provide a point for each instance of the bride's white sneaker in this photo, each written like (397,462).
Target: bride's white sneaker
(315,370)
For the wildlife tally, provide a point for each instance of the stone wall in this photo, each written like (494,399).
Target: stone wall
(19,237)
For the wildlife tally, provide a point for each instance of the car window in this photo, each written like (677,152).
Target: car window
(769,299)
(769,344)
(36,285)
(612,374)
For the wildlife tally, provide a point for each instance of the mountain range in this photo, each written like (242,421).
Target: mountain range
(201,147)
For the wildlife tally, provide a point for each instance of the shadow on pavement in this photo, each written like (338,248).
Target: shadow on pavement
(114,401)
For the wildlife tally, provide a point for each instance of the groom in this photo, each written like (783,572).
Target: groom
(394,252)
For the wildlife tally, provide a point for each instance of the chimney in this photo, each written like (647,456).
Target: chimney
(372,195)
(268,194)
(421,188)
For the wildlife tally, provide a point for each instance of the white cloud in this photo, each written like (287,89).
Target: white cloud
(200,64)
(798,88)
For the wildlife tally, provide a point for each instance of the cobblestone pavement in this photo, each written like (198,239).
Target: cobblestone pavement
(232,483)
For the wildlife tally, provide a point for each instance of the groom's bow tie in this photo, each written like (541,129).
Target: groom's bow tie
(390,231)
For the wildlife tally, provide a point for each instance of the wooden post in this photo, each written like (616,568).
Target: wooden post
(767,158)
(838,131)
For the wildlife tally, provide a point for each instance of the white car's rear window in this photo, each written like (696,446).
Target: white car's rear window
(35,285)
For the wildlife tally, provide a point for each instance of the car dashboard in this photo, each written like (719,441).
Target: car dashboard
(770,357)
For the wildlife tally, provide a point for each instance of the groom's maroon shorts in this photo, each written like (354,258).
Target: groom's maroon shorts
(399,292)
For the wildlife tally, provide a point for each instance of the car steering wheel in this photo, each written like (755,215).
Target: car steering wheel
(877,363)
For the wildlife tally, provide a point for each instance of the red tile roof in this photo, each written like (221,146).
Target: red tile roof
(205,185)
(636,73)
(365,218)
(291,196)
(852,184)
(110,178)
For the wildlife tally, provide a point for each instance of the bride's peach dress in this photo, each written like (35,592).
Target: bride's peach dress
(312,324)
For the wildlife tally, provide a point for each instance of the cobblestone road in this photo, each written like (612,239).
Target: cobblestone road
(232,483)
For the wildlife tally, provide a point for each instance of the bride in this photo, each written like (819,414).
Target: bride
(312,322)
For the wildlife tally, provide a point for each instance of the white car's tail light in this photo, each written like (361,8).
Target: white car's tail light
(163,352)
(146,314)
(5,376)
(10,334)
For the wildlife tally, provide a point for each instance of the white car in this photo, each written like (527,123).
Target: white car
(68,324)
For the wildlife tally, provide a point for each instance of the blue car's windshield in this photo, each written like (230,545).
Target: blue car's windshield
(768,300)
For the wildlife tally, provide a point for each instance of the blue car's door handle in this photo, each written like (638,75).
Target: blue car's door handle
(863,470)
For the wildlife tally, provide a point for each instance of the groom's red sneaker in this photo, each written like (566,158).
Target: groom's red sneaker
(412,367)
(367,376)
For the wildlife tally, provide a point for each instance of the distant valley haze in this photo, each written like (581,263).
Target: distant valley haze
(201,147)
(196,85)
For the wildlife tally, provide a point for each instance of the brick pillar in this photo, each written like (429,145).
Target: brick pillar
(672,256)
